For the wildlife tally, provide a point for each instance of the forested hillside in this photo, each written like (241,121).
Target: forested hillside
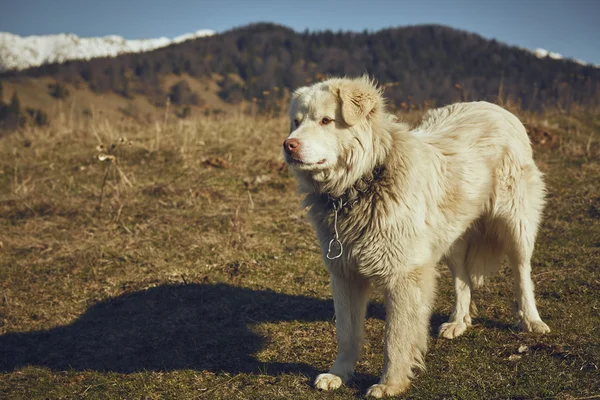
(262,62)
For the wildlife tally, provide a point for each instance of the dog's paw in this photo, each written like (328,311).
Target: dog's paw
(328,382)
(533,326)
(380,390)
(450,330)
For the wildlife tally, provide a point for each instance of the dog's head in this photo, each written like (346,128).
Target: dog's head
(333,137)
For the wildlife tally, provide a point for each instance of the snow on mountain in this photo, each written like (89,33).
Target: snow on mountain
(543,53)
(18,52)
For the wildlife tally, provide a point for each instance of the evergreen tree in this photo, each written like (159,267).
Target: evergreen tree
(10,115)
(58,90)
(14,107)
(38,117)
(3,107)
(180,93)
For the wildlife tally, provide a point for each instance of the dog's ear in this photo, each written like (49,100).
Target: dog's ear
(358,100)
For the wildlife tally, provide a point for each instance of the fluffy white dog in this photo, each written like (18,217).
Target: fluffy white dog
(388,203)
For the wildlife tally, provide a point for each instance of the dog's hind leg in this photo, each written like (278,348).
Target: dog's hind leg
(529,318)
(460,319)
(519,255)
(350,298)
(522,224)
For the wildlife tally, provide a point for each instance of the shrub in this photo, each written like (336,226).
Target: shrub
(58,90)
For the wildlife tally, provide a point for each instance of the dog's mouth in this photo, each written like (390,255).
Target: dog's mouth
(296,162)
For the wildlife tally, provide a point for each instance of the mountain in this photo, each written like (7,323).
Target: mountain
(256,66)
(17,52)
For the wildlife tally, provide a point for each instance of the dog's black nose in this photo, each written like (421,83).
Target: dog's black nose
(291,146)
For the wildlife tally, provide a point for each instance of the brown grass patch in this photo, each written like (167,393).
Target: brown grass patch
(188,281)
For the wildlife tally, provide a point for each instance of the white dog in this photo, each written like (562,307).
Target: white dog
(388,203)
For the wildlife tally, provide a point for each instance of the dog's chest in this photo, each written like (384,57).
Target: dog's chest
(370,241)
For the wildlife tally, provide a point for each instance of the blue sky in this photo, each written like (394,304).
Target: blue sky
(569,27)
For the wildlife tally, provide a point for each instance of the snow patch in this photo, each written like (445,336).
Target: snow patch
(543,53)
(20,52)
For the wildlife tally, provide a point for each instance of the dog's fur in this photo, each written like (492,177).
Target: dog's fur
(462,187)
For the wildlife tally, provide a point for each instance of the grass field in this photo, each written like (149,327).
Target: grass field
(182,267)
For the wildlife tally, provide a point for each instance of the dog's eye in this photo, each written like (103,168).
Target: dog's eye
(326,121)
(296,122)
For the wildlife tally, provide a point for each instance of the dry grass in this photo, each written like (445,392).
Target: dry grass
(181,266)
(81,101)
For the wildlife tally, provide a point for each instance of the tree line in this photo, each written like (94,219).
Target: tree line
(419,65)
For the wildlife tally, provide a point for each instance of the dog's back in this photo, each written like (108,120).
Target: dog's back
(490,149)
(477,128)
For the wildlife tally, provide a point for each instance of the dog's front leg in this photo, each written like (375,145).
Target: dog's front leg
(350,297)
(408,302)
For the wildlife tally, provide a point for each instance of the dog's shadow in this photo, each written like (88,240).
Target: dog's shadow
(172,327)
(169,327)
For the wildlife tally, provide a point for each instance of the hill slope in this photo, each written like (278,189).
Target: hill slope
(260,63)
